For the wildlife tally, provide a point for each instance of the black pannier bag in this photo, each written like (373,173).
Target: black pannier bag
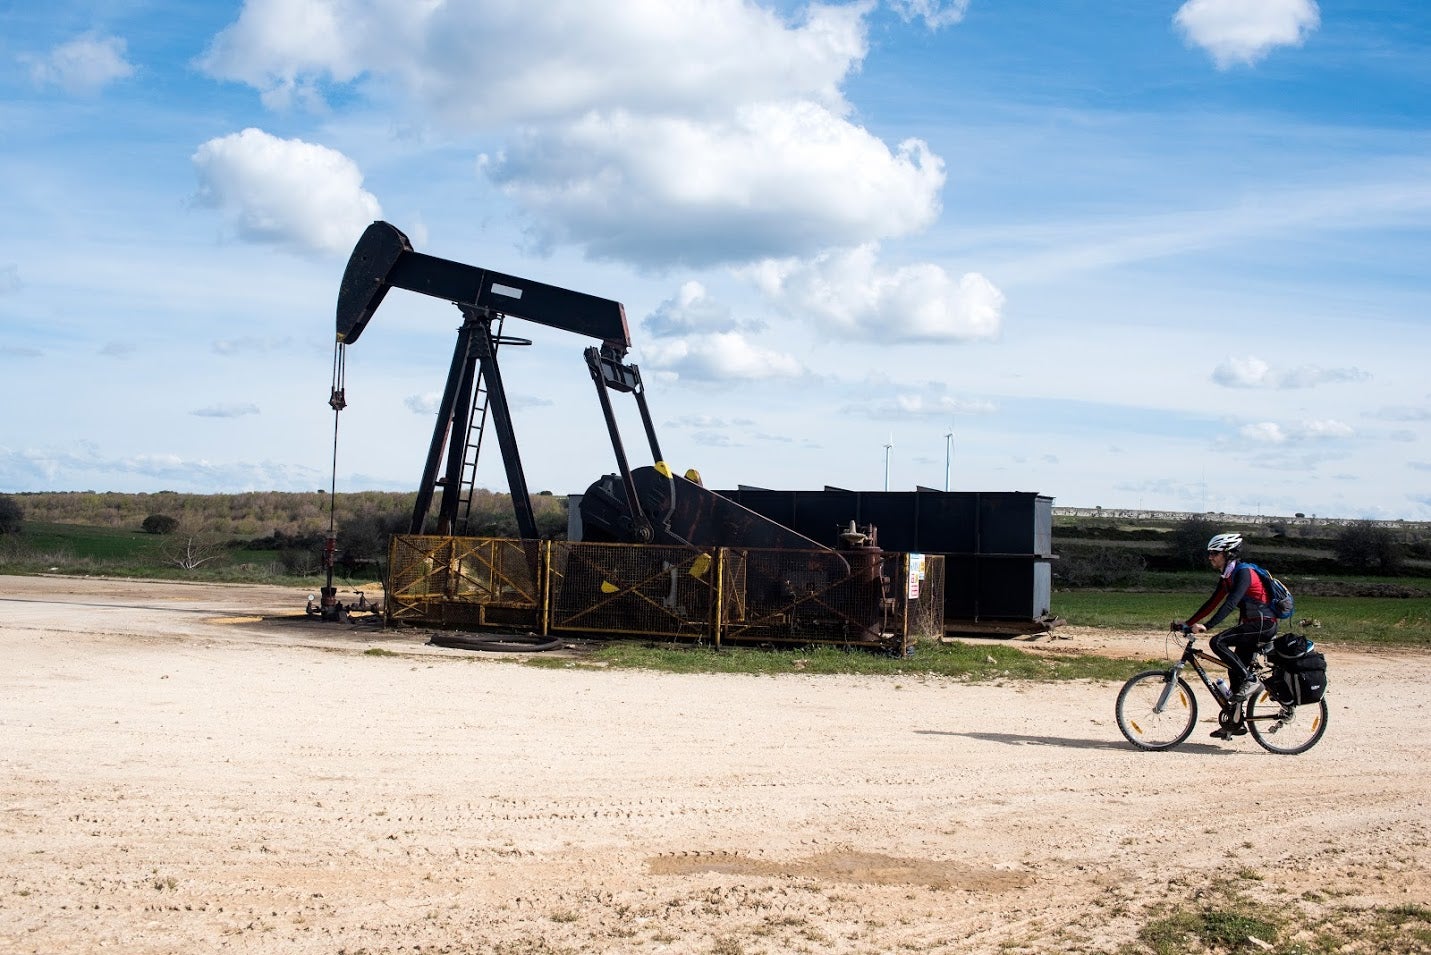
(1301,679)
(1289,646)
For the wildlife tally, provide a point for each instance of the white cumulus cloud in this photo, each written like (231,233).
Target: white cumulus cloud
(476,63)
(850,293)
(1244,31)
(775,178)
(656,132)
(84,65)
(284,47)
(285,191)
(721,356)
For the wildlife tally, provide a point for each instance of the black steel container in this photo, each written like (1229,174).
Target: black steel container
(997,545)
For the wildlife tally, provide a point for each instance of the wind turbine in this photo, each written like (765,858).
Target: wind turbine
(948,457)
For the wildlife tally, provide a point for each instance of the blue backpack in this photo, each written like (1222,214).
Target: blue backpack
(1279,598)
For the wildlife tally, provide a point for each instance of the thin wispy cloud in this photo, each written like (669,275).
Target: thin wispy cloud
(226,411)
(1402,413)
(251,346)
(82,66)
(424,404)
(914,405)
(1253,372)
(41,469)
(933,13)
(1393,195)
(1274,433)
(691,310)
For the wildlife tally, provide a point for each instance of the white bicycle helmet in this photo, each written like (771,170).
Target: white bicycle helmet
(1228,544)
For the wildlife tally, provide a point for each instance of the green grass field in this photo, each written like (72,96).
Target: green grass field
(118,552)
(1369,621)
(957,660)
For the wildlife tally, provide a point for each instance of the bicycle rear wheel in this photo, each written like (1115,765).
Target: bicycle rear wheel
(1286,730)
(1140,719)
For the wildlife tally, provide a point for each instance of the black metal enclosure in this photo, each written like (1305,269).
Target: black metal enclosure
(997,545)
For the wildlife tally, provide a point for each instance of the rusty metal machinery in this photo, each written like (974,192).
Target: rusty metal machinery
(676,593)
(646,505)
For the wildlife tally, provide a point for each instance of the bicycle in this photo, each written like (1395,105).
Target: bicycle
(1157,708)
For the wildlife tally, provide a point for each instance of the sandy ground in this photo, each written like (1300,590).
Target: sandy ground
(200,769)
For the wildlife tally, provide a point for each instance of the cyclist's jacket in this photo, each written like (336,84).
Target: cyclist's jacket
(1238,587)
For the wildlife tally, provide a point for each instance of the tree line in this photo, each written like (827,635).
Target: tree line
(294,525)
(256,514)
(1098,553)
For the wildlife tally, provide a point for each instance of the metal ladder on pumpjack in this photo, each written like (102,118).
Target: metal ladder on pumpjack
(476,428)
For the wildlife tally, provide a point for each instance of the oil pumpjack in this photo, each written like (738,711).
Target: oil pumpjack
(645,505)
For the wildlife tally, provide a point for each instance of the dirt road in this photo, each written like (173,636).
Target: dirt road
(201,769)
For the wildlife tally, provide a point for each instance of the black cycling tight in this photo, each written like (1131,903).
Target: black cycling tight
(1236,646)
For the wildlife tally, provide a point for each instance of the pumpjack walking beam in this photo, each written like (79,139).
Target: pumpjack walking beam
(384,258)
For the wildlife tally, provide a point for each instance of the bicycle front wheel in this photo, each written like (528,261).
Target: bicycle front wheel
(1286,730)
(1154,712)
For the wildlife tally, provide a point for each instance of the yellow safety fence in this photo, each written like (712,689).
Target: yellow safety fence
(701,595)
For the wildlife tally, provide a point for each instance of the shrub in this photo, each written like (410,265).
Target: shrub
(1365,547)
(301,563)
(1099,567)
(159,524)
(363,540)
(12,516)
(1187,542)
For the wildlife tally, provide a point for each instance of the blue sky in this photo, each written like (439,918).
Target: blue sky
(1140,254)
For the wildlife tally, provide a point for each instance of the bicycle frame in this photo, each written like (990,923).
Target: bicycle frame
(1190,657)
(1193,657)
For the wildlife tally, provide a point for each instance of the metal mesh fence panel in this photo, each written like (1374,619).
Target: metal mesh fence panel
(632,589)
(924,597)
(807,597)
(765,596)
(465,582)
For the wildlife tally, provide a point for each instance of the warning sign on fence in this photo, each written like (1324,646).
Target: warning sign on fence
(916,574)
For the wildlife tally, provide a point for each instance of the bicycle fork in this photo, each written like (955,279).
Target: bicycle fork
(1169,686)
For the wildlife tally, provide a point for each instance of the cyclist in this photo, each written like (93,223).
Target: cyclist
(1241,589)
